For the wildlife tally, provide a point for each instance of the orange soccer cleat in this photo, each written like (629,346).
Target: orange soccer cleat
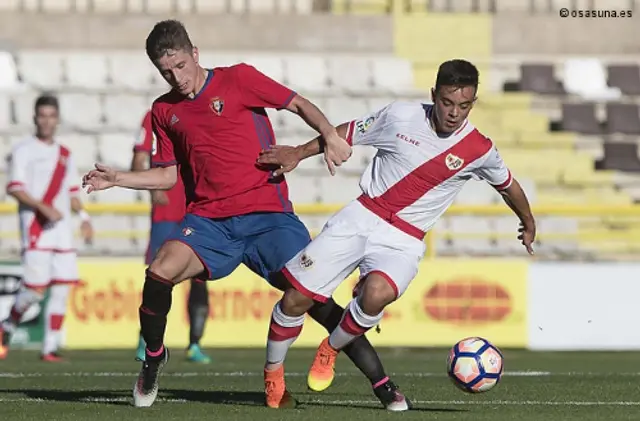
(275,389)
(322,370)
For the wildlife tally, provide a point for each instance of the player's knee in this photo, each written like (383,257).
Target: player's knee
(169,263)
(376,293)
(294,303)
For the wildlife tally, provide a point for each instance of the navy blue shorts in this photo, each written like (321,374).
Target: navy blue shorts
(160,231)
(264,242)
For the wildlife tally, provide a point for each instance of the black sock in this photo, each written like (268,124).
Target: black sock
(156,303)
(360,350)
(198,310)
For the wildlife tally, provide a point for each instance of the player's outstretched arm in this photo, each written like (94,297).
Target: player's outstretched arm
(288,157)
(337,149)
(517,200)
(103,177)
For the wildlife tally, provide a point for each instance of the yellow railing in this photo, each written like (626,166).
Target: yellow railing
(608,228)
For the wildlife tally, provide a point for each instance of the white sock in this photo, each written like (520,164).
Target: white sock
(283,331)
(54,316)
(25,298)
(354,323)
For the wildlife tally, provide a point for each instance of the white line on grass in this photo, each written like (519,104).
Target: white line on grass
(243,374)
(361,402)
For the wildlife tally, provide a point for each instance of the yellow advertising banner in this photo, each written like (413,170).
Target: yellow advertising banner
(449,300)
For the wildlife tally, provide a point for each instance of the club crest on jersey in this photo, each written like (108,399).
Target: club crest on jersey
(306,262)
(217,105)
(454,162)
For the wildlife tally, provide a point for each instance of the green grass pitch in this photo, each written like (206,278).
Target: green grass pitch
(537,386)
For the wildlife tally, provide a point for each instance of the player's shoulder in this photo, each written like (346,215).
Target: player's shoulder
(24,144)
(164,102)
(406,110)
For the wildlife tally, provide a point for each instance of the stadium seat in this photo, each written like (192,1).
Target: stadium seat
(626,77)
(56,6)
(580,118)
(262,6)
(506,233)
(587,78)
(620,157)
(342,109)
(23,109)
(307,74)
(159,6)
(86,70)
(84,149)
(211,59)
(116,195)
(540,78)
(81,111)
(292,123)
(131,71)
(271,65)
(350,74)
(41,69)
(477,193)
(339,189)
(8,72)
(5,150)
(470,235)
(210,6)
(116,149)
(113,235)
(303,189)
(140,234)
(557,235)
(623,118)
(9,5)
(10,236)
(393,75)
(108,6)
(5,112)
(124,112)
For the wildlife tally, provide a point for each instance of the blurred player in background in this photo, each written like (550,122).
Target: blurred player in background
(44,180)
(426,153)
(168,209)
(211,128)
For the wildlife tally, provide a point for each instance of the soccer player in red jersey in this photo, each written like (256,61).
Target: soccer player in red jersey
(168,209)
(211,128)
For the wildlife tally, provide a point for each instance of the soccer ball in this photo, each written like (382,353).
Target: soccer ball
(475,365)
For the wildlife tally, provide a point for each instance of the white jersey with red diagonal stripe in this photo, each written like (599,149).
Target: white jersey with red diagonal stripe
(416,174)
(48,173)
(410,183)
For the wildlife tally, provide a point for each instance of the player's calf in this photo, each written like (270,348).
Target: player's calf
(284,329)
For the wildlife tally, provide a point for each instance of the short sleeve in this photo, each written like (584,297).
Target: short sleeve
(371,130)
(259,90)
(494,170)
(72,176)
(162,154)
(144,141)
(18,162)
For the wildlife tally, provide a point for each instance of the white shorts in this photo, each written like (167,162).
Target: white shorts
(355,238)
(44,268)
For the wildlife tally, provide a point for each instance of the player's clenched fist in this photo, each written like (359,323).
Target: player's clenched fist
(101,178)
(336,151)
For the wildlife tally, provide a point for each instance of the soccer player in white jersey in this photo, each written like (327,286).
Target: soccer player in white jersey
(426,153)
(44,180)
